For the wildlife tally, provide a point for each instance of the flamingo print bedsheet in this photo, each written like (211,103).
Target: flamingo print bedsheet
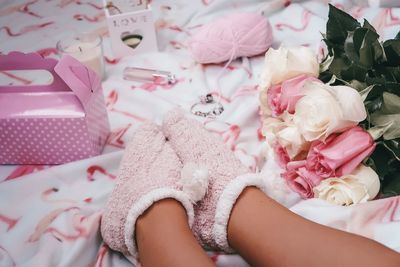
(49,215)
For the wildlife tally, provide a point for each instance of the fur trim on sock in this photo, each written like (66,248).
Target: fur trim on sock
(225,204)
(144,203)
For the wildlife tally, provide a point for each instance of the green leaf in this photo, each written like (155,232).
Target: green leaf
(325,64)
(337,81)
(367,44)
(365,92)
(377,131)
(368,26)
(349,46)
(358,37)
(380,159)
(392,51)
(391,104)
(338,64)
(325,76)
(332,80)
(397,36)
(354,72)
(373,78)
(394,147)
(390,122)
(390,74)
(339,23)
(388,117)
(391,186)
(393,88)
(359,86)
(373,105)
(376,91)
(332,47)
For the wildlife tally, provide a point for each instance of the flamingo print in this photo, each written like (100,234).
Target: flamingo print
(99,17)
(305,20)
(26,29)
(112,99)
(24,170)
(8,221)
(115,137)
(25,9)
(96,168)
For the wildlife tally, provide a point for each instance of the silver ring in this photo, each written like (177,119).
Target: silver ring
(216,110)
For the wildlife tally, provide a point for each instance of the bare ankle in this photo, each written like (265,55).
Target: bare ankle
(161,213)
(250,199)
(164,230)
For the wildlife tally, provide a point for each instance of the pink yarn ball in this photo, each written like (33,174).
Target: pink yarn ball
(230,37)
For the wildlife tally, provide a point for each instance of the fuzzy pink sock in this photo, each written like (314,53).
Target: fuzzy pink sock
(201,151)
(150,171)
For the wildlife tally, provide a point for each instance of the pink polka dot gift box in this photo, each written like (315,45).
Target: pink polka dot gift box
(55,123)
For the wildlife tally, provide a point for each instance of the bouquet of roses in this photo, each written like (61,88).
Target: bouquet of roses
(334,127)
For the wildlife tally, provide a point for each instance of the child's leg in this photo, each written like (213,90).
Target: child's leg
(267,234)
(165,239)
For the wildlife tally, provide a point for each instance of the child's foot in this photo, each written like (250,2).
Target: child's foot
(149,171)
(196,146)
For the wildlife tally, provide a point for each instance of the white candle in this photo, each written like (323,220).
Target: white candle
(87,49)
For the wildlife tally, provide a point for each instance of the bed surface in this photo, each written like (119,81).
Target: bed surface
(49,216)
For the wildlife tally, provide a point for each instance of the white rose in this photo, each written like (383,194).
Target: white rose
(285,63)
(358,187)
(285,132)
(271,126)
(327,109)
(291,139)
(265,109)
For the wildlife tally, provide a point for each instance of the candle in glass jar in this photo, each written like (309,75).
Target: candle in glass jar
(87,49)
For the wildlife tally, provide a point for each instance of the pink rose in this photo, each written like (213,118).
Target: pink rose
(282,157)
(340,154)
(300,179)
(284,96)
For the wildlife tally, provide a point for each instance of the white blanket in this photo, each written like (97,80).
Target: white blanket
(49,216)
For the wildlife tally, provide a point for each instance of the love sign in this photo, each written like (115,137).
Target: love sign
(131,27)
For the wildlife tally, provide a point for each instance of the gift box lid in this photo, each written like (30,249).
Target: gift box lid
(67,96)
